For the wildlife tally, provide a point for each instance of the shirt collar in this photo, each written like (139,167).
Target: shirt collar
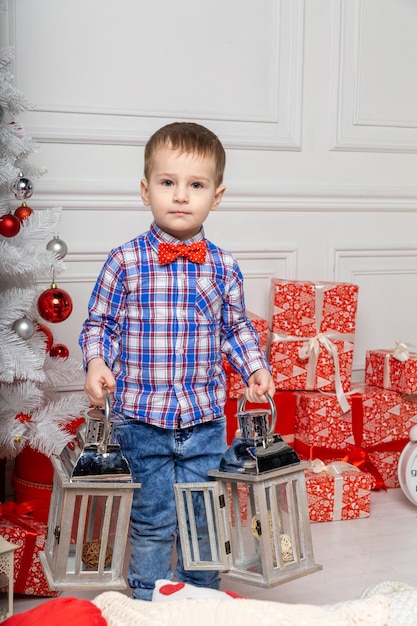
(156,235)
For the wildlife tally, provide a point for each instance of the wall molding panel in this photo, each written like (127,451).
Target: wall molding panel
(110,195)
(314,100)
(259,77)
(387,305)
(373,103)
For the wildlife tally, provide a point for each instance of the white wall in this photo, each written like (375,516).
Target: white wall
(315,101)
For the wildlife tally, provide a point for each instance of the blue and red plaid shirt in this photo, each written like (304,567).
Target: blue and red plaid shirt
(162,330)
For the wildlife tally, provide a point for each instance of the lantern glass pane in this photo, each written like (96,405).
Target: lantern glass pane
(201,526)
(244,537)
(93,533)
(265,532)
(282,521)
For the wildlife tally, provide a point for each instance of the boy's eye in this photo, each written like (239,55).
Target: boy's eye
(197,185)
(166,183)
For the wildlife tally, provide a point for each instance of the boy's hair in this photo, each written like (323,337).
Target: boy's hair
(187,137)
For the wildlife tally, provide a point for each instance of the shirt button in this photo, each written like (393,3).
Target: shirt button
(181,313)
(180,351)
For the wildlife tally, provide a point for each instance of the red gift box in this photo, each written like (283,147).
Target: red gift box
(374,430)
(24,490)
(33,466)
(235,385)
(29,535)
(392,369)
(313,330)
(386,464)
(340,491)
(285,404)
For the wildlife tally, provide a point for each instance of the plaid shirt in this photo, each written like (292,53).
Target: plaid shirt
(162,329)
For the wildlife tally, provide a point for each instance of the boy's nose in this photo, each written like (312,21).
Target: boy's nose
(180,194)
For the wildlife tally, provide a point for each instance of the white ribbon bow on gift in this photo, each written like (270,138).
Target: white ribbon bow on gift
(336,470)
(402,353)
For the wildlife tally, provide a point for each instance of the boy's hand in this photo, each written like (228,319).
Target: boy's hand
(259,383)
(98,376)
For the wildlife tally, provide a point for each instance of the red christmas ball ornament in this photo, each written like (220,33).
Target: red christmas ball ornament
(54,305)
(9,225)
(22,212)
(49,338)
(59,350)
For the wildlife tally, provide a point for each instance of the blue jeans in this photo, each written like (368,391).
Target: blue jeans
(158,458)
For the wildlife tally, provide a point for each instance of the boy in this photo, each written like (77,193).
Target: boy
(159,322)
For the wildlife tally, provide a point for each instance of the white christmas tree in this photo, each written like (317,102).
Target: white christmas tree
(32,410)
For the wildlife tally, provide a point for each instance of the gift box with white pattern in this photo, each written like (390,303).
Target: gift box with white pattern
(393,369)
(312,334)
(28,535)
(371,435)
(338,491)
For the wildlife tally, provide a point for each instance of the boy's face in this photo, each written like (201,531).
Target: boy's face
(181,191)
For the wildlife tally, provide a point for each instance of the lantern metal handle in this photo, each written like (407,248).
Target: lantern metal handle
(102,445)
(273,422)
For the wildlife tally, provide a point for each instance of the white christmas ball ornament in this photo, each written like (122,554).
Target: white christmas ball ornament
(24,328)
(58,247)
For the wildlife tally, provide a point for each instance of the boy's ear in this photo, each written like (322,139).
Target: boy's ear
(218,197)
(144,191)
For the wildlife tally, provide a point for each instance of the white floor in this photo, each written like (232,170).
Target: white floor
(354,554)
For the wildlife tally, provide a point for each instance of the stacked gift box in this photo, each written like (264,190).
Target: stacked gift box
(25,526)
(371,434)
(24,521)
(310,348)
(312,334)
(311,353)
(337,491)
(393,369)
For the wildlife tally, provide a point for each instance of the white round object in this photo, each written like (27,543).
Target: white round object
(407,471)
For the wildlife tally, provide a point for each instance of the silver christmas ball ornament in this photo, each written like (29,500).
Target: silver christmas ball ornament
(22,188)
(24,328)
(58,247)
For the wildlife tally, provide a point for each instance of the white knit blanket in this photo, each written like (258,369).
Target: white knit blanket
(385,604)
(119,610)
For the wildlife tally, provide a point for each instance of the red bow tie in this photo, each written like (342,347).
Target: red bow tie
(168,252)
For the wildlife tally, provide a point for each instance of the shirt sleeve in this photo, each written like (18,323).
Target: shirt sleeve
(101,330)
(240,341)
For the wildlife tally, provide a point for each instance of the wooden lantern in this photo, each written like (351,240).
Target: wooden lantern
(255,513)
(87,532)
(258,525)
(90,509)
